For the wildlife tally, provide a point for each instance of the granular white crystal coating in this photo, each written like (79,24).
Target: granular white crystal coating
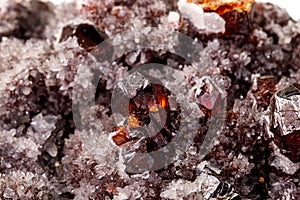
(203,186)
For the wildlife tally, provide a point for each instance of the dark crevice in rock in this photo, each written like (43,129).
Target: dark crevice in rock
(29,21)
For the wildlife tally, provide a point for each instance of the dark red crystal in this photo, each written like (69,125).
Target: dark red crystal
(285,121)
(151,114)
(121,136)
(265,89)
(88,37)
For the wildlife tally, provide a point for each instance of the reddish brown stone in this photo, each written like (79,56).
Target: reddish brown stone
(150,117)
(88,37)
(285,121)
(264,90)
(121,136)
(154,98)
(236,13)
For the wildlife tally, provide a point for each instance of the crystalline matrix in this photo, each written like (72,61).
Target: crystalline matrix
(250,51)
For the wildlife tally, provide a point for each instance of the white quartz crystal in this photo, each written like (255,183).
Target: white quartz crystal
(205,22)
(204,185)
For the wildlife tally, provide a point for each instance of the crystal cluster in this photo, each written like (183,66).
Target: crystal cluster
(48,52)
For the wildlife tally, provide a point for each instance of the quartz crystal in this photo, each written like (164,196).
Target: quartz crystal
(205,22)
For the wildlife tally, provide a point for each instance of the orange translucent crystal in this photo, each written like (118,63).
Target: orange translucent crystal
(236,13)
(121,136)
(223,6)
(151,103)
(133,122)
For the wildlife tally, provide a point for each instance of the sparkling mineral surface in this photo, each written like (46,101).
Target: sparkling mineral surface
(285,121)
(51,56)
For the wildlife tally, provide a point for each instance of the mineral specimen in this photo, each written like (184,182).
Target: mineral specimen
(49,59)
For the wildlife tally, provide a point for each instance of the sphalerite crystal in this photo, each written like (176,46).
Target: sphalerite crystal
(120,136)
(263,89)
(88,37)
(285,121)
(149,113)
(236,13)
(222,6)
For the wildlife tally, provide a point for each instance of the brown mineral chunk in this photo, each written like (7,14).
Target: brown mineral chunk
(285,121)
(150,116)
(264,89)
(67,32)
(236,13)
(151,108)
(121,136)
(88,37)
(152,99)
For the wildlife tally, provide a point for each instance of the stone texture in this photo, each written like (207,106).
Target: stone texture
(45,156)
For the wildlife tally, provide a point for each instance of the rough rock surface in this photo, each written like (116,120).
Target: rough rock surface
(45,156)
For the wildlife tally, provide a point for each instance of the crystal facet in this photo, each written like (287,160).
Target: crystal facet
(285,121)
(88,37)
